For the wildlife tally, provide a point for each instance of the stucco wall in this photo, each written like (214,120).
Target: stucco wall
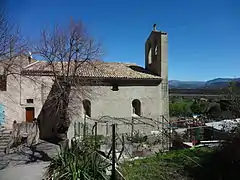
(11,101)
(104,101)
(164,75)
(19,89)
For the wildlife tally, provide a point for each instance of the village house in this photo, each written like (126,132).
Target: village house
(127,89)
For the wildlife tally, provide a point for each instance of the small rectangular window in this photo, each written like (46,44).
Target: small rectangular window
(29,100)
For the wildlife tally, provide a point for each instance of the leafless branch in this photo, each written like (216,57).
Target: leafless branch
(11,46)
(66,50)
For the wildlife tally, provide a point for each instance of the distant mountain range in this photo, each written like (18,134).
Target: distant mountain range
(211,84)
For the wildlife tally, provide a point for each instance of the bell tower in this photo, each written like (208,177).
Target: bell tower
(156,61)
(156,53)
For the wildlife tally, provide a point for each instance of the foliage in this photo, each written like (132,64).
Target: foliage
(164,166)
(93,141)
(81,161)
(233,104)
(187,108)
(222,163)
(214,110)
(198,107)
(180,108)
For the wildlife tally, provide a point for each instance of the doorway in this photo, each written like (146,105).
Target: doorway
(29,114)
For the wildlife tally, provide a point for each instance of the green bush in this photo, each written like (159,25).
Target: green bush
(180,108)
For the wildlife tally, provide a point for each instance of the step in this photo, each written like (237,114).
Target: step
(4,137)
(5,132)
(5,140)
(3,146)
(5,129)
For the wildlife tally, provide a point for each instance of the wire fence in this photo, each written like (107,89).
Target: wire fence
(127,138)
(135,136)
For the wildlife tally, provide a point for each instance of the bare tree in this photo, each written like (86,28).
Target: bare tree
(68,51)
(11,46)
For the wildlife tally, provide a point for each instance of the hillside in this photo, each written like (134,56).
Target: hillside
(211,84)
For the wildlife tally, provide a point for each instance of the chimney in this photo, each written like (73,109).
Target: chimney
(30,58)
(154,27)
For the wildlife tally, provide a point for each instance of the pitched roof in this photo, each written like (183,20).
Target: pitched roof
(96,69)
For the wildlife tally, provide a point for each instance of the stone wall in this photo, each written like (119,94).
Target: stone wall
(23,133)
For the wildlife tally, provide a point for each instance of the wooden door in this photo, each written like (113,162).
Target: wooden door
(29,114)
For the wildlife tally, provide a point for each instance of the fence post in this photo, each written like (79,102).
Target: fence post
(79,129)
(75,128)
(132,128)
(26,127)
(113,177)
(106,128)
(96,129)
(162,132)
(171,133)
(84,127)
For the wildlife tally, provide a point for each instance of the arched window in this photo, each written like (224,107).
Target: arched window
(155,48)
(136,104)
(87,107)
(149,54)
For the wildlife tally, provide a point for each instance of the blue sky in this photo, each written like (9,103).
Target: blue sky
(204,35)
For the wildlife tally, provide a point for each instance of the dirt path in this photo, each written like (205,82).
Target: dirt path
(33,171)
(23,164)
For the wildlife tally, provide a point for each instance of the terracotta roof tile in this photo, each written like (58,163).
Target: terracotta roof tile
(96,69)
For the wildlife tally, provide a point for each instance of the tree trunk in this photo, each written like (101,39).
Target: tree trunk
(64,120)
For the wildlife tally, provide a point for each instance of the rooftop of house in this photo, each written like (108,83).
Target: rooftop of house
(15,63)
(93,69)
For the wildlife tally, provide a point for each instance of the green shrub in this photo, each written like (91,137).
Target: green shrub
(81,161)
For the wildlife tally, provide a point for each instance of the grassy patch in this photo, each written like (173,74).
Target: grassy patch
(165,166)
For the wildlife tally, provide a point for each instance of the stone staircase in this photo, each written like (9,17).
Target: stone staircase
(4,139)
